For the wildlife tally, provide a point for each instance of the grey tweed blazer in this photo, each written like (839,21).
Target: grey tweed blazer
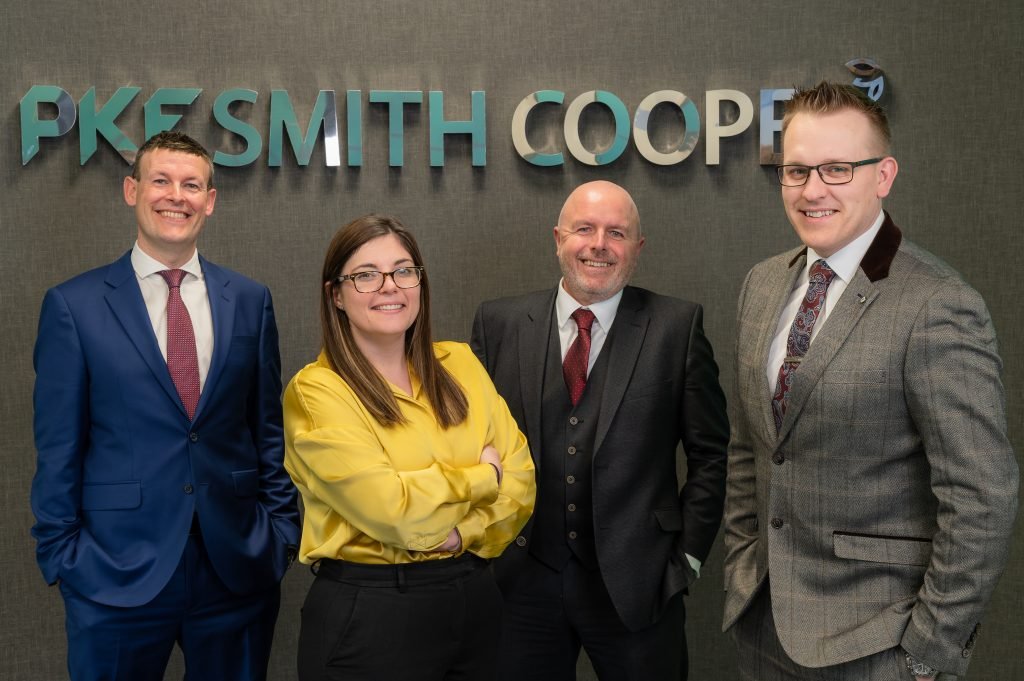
(881,512)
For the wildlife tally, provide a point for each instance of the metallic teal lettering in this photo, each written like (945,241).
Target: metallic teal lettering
(92,121)
(156,120)
(622,126)
(476,127)
(396,101)
(222,114)
(33,129)
(354,133)
(283,122)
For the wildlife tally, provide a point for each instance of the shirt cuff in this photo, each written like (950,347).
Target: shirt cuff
(694,563)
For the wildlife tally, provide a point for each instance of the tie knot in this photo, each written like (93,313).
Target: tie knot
(172,277)
(584,319)
(821,273)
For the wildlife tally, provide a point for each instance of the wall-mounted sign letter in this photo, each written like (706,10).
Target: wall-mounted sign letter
(33,128)
(691,131)
(770,125)
(476,127)
(92,121)
(222,114)
(716,131)
(571,128)
(284,122)
(519,122)
(396,101)
(156,119)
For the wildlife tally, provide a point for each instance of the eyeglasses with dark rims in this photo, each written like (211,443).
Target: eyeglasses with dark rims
(833,172)
(372,281)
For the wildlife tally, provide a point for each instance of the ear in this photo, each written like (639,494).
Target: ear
(336,296)
(211,198)
(131,189)
(556,234)
(887,170)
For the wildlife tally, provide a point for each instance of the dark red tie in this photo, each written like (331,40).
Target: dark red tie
(182,361)
(574,368)
(800,334)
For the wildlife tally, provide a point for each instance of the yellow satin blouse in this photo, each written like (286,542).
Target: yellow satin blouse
(389,495)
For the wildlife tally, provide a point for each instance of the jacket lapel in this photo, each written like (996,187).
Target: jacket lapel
(630,328)
(855,301)
(222,309)
(780,285)
(533,344)
(125,301)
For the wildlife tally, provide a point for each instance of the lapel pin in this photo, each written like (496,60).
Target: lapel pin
(861,298)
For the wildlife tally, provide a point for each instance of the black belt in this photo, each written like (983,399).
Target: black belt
(401,575)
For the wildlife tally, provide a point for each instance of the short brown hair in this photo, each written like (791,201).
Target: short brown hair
(827,98)
(345,357)
(173,141)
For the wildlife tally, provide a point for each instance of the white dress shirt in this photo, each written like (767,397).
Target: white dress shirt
(604,315)
(844,263)
(193,294)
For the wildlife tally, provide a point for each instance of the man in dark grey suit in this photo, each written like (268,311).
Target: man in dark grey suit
(872,488)
(606,380)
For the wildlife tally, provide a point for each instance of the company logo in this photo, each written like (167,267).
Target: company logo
(728,113)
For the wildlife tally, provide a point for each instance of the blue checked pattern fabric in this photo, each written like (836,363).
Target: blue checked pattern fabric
(799,341)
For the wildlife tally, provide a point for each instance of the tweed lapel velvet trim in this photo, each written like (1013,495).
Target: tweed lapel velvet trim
(880,253)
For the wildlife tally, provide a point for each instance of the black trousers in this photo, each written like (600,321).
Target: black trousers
(434,621)
(550,615)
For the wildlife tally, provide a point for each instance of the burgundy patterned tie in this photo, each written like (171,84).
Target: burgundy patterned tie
(574,367)
(800,334)
(182,361)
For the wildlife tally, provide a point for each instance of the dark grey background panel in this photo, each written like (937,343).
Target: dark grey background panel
(953,73)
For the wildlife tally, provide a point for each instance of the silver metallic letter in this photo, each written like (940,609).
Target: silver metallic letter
(716,131)
(691,118)
(519,139)
(571,127)
(771,125)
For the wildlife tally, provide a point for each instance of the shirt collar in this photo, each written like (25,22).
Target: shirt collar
(604,311)
(846,260)
(146,265)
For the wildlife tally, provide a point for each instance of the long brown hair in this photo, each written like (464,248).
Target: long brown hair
(441,388)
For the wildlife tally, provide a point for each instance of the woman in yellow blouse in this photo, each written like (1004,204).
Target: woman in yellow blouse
(412,473)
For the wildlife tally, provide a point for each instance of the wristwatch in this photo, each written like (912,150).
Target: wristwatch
(918,668)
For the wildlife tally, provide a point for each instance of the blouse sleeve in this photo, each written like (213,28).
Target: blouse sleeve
(487,529)
(341,462)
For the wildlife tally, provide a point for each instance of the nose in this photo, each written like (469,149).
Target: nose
(815,187)
(599,241)
(389,282)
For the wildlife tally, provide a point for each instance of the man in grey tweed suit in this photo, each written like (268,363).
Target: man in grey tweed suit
(871,496)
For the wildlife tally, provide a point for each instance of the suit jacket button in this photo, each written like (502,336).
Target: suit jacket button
(572,534)
(573,420)
(187,489)
(570,479)
(520,540)
(572,507)
(571,450)
(777,523)
(778,459)
(966,652)
(194,437)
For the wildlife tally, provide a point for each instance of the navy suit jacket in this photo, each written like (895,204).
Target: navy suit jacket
(121,470)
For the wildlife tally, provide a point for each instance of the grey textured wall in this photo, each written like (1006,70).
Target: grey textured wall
(953,70)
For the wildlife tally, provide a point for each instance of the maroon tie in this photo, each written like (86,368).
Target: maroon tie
(182,361)
(574,368)
(800,334)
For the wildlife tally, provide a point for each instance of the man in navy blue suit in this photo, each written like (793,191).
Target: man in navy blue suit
(162,506)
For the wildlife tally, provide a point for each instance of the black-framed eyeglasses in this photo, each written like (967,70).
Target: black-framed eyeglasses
(833,172)
(372,281)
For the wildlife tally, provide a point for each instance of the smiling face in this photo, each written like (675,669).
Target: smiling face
(172,199)
(382,317)
(598,241)
(829,217)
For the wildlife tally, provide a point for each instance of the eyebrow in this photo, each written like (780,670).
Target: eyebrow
(377,267)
